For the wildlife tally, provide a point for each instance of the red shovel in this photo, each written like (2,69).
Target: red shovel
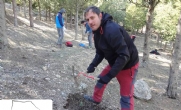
(88,76)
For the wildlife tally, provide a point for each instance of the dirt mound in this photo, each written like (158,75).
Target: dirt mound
(77,102)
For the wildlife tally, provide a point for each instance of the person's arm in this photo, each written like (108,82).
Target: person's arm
(86,26)
(60,19)
(96,61)
(116,40)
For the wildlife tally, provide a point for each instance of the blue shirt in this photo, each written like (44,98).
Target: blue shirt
(88,29)
(59,20)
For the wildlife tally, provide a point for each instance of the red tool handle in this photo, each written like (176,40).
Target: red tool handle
(88,76)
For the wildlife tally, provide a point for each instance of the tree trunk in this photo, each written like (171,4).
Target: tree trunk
(15,13)
(30,14)
(11,5)
(54,12)
(157,40)
(137,31)
(149,19)
(174,67)
(46,14)
(70,20)
(20,8)
(3,38)
(76,22)
(132,26)
(24,7)
(161,40)
(83,30)
(66,20)
(142,30)
(173,45)
(165,46)
(49,13)
(39,9)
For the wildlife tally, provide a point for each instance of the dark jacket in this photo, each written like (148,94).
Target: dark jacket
(114,44)
(60,19)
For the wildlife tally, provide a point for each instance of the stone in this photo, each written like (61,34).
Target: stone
(142,90)
(1,68)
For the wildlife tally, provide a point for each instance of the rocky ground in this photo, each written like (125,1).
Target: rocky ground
(34,67)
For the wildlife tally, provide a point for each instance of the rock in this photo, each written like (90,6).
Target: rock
(47,79)
(1,68)
(53,92)
(44,68)
(61,55)
(63,94)
(26,80)
(58,76)
(83,86)
(142,90)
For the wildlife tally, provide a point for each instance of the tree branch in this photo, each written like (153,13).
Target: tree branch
(156,3)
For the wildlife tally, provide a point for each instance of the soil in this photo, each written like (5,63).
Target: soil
(34,67)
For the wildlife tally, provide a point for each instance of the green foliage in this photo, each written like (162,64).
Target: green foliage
(8,1)
(165,23)
(17,1)
(135,17)
(34,5)
(116,8)
(70,6)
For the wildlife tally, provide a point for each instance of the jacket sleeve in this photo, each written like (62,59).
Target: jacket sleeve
(98,58)
(86,28)
(116,40)
(60,19)
(99,55)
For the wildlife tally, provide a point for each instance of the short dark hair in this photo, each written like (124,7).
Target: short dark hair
(94,10)
(82,21)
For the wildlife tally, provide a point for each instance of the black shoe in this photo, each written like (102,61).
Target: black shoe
(90,99)
(61,46)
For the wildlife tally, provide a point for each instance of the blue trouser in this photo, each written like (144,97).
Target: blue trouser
(60,36)
(90,39)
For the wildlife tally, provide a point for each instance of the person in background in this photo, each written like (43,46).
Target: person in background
(133,37)
(60,24)
(88,32)
(114,44)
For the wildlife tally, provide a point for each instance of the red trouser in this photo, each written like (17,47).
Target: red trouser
(126,79)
